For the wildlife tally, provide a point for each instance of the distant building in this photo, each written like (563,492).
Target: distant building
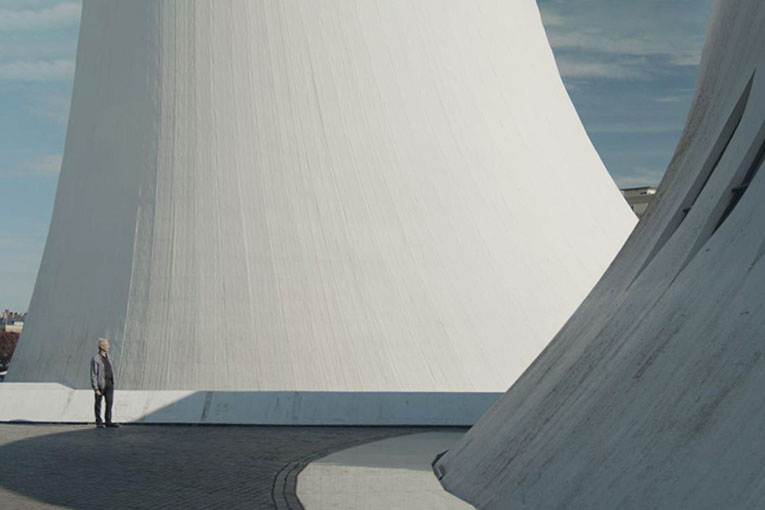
(16,327)
(639,198)
(12,322)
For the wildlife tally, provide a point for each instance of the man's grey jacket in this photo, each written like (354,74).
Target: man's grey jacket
(97,373)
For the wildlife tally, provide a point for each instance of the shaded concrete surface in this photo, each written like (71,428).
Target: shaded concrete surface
(40,402)
(163,467)
(390,473)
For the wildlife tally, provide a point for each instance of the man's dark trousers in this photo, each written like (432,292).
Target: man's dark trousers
(108,394)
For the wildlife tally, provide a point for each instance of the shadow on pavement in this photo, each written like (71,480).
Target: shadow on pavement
(152,466)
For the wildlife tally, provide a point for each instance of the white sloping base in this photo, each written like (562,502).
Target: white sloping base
(51,402)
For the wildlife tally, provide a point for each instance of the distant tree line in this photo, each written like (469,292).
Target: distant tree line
(8,341)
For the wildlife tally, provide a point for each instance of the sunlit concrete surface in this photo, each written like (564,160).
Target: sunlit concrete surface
(317,195)
(163,467)
(388,474)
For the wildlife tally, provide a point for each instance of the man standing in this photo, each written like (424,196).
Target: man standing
(102,381)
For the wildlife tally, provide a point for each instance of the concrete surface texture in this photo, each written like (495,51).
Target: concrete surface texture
(56,403)
(652,394)
(164,467)
(393,473)
(317,195)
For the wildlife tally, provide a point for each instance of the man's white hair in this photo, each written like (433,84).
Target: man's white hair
(102,341)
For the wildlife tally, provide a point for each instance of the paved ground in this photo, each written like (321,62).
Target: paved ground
(164,467)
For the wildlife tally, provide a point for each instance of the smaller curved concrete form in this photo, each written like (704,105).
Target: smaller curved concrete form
(652,394)
(392,473)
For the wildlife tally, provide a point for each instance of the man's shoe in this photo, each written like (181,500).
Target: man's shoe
(112,425)
(100,425)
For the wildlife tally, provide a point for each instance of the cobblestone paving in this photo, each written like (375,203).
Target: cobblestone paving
(163,467)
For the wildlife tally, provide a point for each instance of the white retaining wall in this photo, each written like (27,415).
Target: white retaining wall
(50,402)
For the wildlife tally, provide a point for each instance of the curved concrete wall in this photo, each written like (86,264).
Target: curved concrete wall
(317,195)
(652,394)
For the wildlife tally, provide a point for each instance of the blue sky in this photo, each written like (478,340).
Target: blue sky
(629,67)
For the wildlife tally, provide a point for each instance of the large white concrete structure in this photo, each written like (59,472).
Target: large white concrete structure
(652,395)
(317,195)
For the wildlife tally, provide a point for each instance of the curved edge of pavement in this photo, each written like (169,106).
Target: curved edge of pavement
(284,488)
(394,472)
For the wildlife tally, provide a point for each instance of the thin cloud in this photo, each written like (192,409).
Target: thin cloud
(686,59)
(27,4)
(670,99)
(51,106)
(37,70)
(553,20)
(647,37)
(564,37)
(634,128)
(575,68)
(640,177)
(59,15)
(46,164)
(32,47)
